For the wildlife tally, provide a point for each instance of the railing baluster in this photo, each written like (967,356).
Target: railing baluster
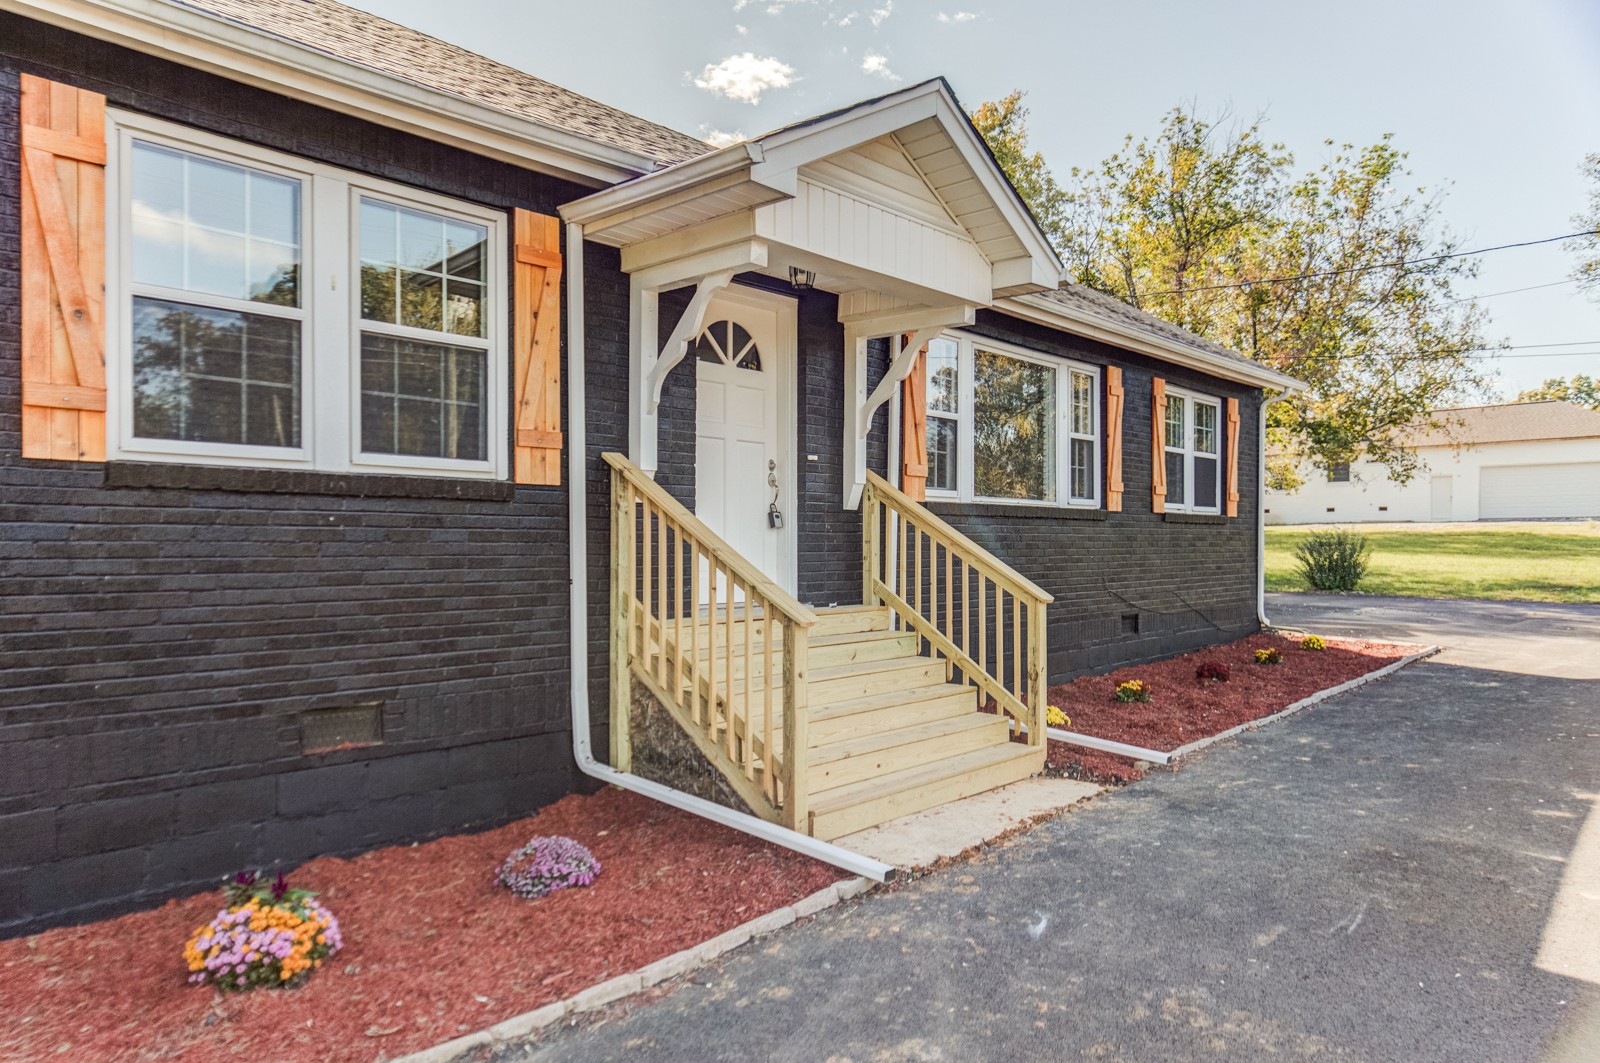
(677,611)
(916,588)
(771,780)
(661,597)
(749,696)
(711,646)
(1016,645)
(727,670)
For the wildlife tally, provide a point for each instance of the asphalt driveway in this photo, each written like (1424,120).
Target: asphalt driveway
(1378,878)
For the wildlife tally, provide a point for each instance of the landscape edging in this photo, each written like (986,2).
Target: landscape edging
(614,989)
(1159,757)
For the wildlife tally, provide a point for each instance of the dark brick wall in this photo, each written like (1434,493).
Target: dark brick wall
(158,642)
(1185,582)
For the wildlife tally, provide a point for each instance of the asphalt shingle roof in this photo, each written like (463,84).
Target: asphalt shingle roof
(390,48)
(1511,422)
(1088,303)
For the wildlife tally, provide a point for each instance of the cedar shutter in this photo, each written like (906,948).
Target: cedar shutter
(914,428)
(1233,457)
(63,272)
(1113,439)
(1158,445)
(537,336)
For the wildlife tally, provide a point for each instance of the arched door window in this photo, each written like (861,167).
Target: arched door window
(728,343)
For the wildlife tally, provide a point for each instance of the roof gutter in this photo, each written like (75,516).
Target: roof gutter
(1053,314)
(229,49)
(649,188)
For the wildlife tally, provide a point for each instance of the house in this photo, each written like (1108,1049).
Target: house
(358,394)
(1513,461)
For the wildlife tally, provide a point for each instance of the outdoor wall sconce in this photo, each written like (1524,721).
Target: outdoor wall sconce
(802,279)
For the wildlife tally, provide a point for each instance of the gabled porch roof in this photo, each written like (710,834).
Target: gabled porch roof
(889,195)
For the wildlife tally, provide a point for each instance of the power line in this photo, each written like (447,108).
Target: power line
(1514,291)
(1379,265)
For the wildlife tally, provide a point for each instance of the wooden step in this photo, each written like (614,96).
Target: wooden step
(862,757)
(857,806)
(843,682)
(857,717)
(823,650)
(842,619)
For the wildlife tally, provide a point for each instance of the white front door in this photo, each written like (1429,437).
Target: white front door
(743,464)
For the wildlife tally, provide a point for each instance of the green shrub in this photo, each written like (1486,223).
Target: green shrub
(1333,560)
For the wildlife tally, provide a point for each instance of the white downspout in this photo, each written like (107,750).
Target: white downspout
(578,534)
(1261,507)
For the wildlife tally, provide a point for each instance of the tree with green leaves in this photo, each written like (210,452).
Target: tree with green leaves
(1004,125)
(1587,271)
(1339,276)
(1579,389)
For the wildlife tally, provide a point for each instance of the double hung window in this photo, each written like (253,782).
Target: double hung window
(1193,452)
(271,311)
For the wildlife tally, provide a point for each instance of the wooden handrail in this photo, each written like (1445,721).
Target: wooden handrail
(899,573)
(678,589)
(730,558)
(1003,572)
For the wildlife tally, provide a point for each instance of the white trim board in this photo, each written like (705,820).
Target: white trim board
(1106,745)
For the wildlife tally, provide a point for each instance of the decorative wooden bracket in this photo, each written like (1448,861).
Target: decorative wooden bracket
(687,328)
(900,368)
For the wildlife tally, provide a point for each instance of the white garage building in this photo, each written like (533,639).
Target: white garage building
(1517,461)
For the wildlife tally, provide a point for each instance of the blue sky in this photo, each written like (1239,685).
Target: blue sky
(1497,103)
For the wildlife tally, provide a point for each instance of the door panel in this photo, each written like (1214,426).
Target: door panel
(741,445)
(1564,490)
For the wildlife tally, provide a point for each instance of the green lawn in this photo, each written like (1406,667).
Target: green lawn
(1523,562)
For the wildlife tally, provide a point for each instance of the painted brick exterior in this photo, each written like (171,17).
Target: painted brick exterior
(162,629)
(158,643)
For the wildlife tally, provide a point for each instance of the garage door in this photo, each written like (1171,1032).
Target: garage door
(1540,490)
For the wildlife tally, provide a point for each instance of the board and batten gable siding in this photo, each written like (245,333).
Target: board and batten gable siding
(161,639)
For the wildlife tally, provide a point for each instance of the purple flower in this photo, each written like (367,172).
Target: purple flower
(545,865)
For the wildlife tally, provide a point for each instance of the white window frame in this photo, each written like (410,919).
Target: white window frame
(330,348)
(1191,400)
(1060,474)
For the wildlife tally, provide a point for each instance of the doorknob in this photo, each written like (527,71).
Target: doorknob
(774,515)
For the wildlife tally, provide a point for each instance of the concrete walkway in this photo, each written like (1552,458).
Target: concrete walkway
(1403,873)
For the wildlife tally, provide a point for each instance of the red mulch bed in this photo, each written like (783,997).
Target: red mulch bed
(433,949)
(1183,709)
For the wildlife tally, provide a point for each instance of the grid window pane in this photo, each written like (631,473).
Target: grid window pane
(943,360)
(423,399)
(1175,418)
(215,376)
(214,228)
(942,445)
(1205,428)
(1013,419)
(1205,482)
(1082,469)
(1082,404)
(422,270)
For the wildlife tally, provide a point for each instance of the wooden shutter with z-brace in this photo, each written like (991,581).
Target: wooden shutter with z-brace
(63,272)
(1233,457)
(914,428)
(1158,445)
(1114,395)
(537,335)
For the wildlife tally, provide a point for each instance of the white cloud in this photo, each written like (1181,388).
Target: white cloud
(958,17)
(845,20)
(741,30)
(873,63)
(745,77)
(879,14)
(718,138)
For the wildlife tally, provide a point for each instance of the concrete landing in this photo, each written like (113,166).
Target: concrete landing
(935,834)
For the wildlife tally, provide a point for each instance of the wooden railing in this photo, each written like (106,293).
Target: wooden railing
(968,606)
(718,643)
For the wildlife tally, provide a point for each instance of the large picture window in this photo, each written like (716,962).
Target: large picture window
(1194,452)
(1010,425)
(271,311)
